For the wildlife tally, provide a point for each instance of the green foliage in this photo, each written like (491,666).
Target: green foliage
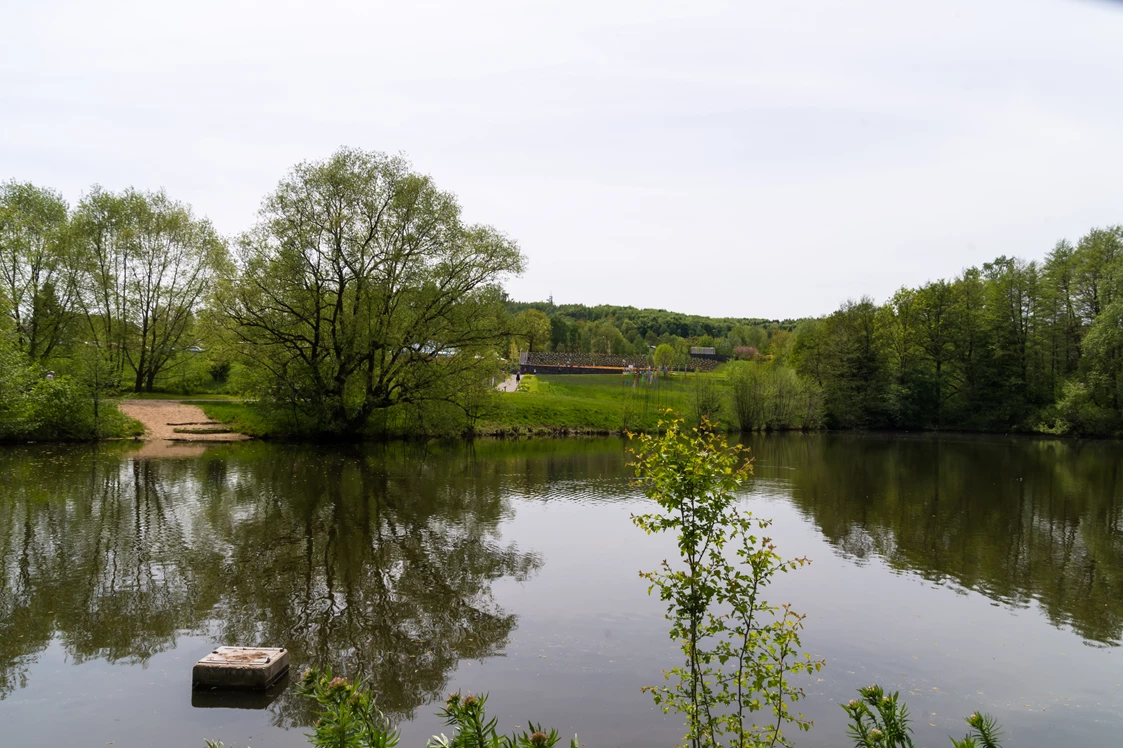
(984,733)
(664,356)
(1011,345)
(1078,413)
(533,329)
(881,720)
(878,720)
(769,395)
(468,714)
(144,265)
(605,337)
(740,651)
(219,371)
(708,399)
(651,324)
(348,718)
(34,259)
(628,331)
(347,715)
(33,406)
(362,290)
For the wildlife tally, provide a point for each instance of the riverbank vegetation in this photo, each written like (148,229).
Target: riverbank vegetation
(361,304)
(741,396)
(63,408)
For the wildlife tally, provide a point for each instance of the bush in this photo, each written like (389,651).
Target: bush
(707,399)
(468,714)
(1078,414)
(348,717)
(773,397)
(34,407)
(742,653)
(219,371)
(60,409)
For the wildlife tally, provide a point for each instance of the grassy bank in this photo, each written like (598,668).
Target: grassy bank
(596,403)
(546,404)
(242,417)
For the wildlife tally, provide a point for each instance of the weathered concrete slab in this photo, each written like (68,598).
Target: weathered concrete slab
(240,667)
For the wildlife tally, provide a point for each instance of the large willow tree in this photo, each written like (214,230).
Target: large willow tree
(361,288)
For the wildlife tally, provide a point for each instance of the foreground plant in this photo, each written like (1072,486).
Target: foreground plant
(348,717)
(880,720)
(741,651)
(468,714)
(984,733)
(877,719)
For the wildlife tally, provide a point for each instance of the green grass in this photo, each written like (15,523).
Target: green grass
(117,425)
(588,403)
(200,397)
(549,403)
(242,417)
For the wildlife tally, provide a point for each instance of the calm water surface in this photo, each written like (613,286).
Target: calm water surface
(970,573)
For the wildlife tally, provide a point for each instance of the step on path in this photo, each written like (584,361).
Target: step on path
(161,418)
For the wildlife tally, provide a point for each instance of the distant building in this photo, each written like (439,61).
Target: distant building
(699,350)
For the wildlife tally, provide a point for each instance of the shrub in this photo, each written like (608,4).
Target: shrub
(773,396)
(707,399)
(741,651)
(59,409)
(34,407)
(1077,413)
(219,371)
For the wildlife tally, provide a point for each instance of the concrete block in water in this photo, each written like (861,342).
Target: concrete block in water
(240,667)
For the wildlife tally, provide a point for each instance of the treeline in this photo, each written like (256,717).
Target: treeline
(626,330)
(124,274)
(95,299)
(359,300)
(1013,345)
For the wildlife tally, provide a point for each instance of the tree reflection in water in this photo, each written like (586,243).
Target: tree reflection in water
(382,559)
(377,560)
(1015,518)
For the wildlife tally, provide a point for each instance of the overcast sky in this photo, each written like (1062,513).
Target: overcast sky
(749,159)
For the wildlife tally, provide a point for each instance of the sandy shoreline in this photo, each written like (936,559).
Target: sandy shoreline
(162,417)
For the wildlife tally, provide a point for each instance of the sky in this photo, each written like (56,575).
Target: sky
(750,159)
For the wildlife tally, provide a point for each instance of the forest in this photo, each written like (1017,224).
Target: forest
(1014,345)
(360,302)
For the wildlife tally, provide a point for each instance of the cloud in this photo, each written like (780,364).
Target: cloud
(722,158)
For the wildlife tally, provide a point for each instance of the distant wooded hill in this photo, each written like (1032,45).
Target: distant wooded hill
(627,330)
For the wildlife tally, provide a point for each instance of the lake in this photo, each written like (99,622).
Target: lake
(967,572)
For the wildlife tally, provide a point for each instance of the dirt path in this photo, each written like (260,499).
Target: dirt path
(161,418)
(510,384)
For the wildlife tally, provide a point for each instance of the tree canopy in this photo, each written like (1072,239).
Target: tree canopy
(1011,345)
(361,288)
